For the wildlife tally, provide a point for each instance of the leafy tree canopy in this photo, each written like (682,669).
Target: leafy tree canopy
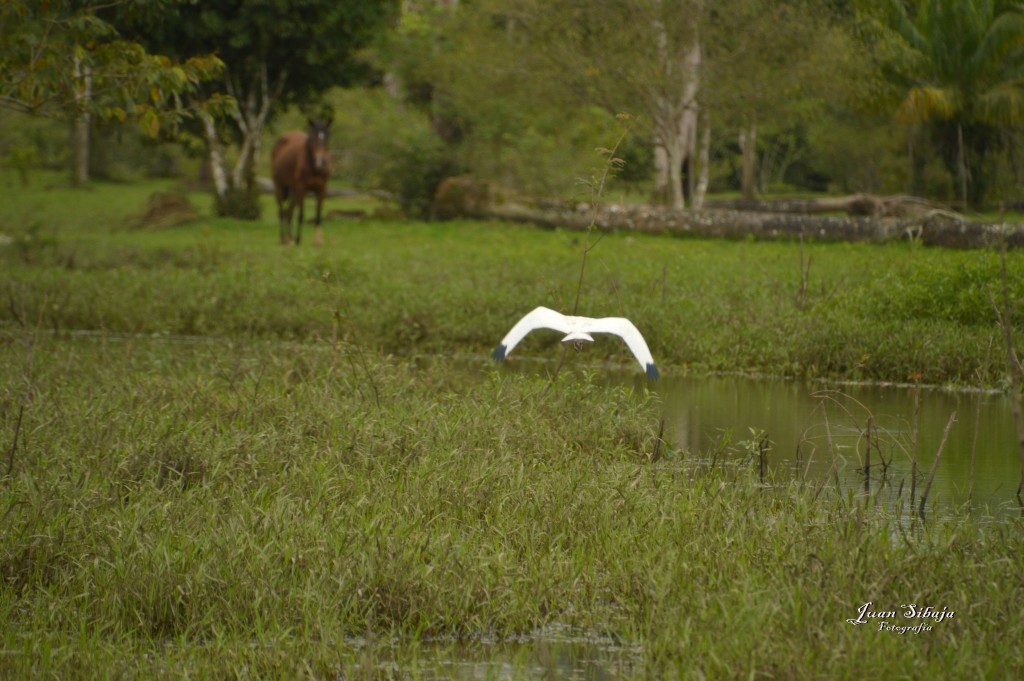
(62,58)
(955,58)
(296,48)
(956,68)
(276,52)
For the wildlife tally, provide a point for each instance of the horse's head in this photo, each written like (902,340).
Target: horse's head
(316,141)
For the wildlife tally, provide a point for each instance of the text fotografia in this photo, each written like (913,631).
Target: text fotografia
(911,618)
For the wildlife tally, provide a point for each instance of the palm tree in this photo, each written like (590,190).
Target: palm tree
(958,66)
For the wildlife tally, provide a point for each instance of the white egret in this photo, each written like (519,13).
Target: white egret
(578,330)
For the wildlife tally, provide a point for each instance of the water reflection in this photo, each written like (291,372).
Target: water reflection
(556,652)
(979,463)
(721,417)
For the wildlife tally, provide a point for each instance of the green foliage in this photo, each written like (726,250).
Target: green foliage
(47,138)
(22,158)
(297,47)
(859,154)
(957,67)
(390,147)
(277,52)
(62,59)
(479,79)
(120,154)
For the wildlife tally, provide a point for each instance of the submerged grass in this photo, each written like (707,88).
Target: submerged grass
(238,473)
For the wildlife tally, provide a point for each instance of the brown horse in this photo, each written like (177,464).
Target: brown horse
(300,163)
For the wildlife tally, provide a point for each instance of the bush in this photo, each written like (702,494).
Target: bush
(391,147)
(239,202)
(33,143)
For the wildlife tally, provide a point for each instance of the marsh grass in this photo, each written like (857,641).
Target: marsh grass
(199,507)
(238,471)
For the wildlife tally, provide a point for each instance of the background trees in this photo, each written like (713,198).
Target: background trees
(699,78)
(64,60)
(276,53)
(957,75)
(889,96)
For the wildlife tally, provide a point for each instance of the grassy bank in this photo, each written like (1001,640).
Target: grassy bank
(840,310)
(245,471)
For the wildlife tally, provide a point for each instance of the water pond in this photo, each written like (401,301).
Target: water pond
(790,429)
(737,418)
(555,652)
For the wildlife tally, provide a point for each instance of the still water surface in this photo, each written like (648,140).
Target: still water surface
(725,416)
(556,652)
(722,418)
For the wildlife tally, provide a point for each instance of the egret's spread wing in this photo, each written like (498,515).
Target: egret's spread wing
(538,318)
(624,328)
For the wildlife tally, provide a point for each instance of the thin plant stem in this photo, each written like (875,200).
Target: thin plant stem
(612,162)
(935,464)
(14,442)
(914,436)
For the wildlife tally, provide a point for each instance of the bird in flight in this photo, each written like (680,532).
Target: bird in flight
(578,329)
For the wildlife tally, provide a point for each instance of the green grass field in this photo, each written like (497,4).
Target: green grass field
(852,311)
(224,458)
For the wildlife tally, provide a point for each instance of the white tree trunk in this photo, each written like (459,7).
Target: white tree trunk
(677,134)
(251,119)
(704,171)
(675,157)
(216,154)
(661,181)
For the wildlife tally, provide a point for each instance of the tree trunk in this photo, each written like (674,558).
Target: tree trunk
(704,171)
(238,196)
(80,150)
(81,125)
(961,164)
(215,152)
(676,147)
(748,146)
(854,204)
(676,134)
(675,157)
(252,118)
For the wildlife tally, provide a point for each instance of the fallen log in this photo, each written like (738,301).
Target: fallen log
(898,205)
(464,197)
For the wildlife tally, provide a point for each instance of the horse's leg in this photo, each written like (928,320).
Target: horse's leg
(284,226)
(318,233)
(288,220)
(300,197)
